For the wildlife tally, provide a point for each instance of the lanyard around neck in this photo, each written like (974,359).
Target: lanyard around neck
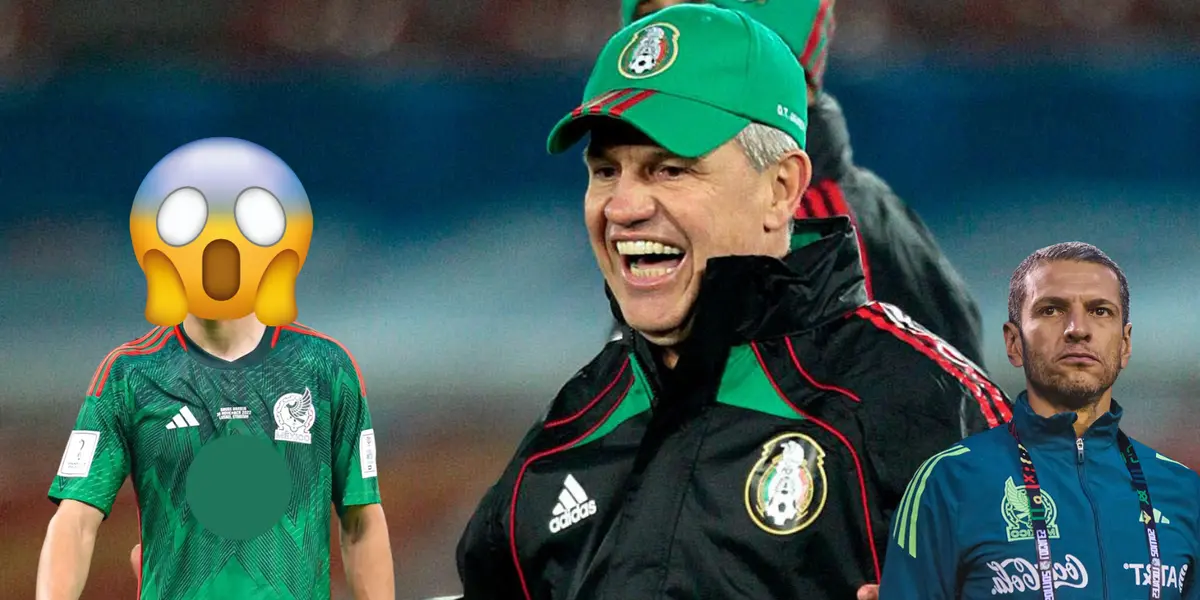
(1037,514)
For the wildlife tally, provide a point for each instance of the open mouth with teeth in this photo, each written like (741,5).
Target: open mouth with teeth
(647,260)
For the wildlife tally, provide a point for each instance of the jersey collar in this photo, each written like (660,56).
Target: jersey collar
(254,357)
(746,298)
(1057,431)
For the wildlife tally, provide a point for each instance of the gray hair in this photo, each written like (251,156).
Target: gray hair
(765,145)
(1066,251)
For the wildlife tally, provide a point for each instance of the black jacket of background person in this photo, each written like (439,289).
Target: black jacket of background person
(641,482)
(904,265)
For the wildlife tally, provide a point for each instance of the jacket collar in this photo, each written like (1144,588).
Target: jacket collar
(1057,431)
(828,139)
(744,298)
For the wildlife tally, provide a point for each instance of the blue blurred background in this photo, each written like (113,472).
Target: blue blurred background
(449,253)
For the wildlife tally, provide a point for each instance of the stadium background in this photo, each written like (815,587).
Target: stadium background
(449,253)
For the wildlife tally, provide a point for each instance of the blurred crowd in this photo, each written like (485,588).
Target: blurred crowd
(406,206)
(39,35)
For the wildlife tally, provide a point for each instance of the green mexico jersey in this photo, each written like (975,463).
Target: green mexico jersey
(235,464)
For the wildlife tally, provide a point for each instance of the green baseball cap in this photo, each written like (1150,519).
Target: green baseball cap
(691,77)
(806,26)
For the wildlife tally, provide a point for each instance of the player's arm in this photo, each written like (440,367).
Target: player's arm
(92,469)
(135,561)
(922,556)
(365,542)
(67,552)
(484,556)
(367,552)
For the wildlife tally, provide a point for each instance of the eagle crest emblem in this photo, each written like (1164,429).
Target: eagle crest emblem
(1019,517)
(786,488)
(294,416)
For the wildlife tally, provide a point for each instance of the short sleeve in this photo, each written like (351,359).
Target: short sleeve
(355,448)
(95,461)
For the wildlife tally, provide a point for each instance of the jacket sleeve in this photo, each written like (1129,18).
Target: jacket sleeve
(910,415)
(931,397)
(922,555)
(984,408)
(484,556)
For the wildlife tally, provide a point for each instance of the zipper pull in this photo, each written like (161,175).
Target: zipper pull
(1079,447)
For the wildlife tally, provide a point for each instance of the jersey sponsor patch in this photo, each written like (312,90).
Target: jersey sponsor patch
(1016,575)
(294,416)
(77,458)
(1170,576)
(785,491)
(366,453)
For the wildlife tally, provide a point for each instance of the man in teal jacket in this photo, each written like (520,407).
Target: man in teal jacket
(1060,503)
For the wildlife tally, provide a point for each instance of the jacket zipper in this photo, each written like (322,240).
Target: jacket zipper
(1095,515)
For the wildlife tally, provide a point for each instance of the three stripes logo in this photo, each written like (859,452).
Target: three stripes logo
(904,524)
(573,506)
(183,418)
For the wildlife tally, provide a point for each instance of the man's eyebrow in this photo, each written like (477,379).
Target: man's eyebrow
(1059,301)
(591,153)
(1095,302)
(1049,300)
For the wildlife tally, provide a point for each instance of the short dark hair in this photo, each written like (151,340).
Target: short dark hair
(1066,251)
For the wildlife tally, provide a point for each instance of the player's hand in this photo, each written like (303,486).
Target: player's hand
(135,560)
(868,592)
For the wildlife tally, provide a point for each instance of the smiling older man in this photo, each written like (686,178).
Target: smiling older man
(752,433)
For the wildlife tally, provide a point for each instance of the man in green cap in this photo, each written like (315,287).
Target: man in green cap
(753,433)
(902,261)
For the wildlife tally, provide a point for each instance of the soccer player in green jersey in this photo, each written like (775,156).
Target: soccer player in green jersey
(238,437)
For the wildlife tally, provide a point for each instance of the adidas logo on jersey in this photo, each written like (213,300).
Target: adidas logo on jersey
(183,418)
(573,506)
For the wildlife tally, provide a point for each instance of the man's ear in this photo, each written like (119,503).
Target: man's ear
(792,175)
(1012,345)
(1127,346)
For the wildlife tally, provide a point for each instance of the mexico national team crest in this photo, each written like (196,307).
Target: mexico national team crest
(294,416)
(1019,517)
(651,51)
(786,488)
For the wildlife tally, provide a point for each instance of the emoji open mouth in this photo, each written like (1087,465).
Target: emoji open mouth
(222,273)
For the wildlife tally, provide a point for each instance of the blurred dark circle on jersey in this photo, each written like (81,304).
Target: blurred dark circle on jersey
(238,486)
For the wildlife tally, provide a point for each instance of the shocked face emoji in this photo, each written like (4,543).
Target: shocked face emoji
(221,228)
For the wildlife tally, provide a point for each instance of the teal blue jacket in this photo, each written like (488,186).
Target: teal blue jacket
(963,528)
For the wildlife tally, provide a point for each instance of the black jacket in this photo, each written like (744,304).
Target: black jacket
(904,265)
(766,464)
